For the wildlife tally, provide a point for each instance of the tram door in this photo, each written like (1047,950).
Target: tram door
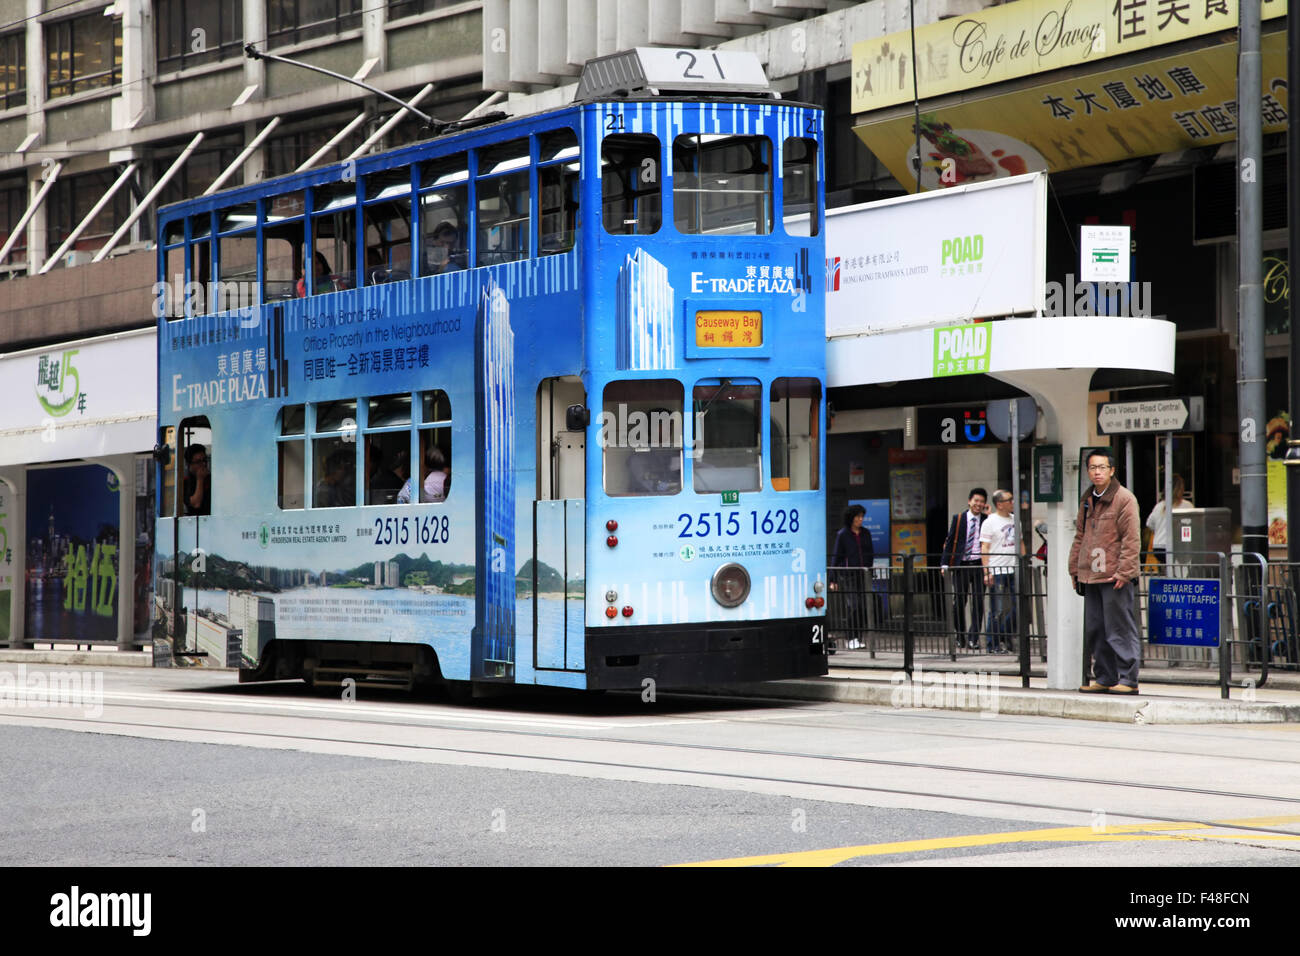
(559,531)
(189,486)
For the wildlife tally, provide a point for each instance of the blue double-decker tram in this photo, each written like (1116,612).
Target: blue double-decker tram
(535,401)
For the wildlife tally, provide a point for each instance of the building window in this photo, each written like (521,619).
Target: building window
(409,8)
(292,21)
(284,154)
(13,203)
(71,200)
(192,33)
(200,171)
(84,53)
(13,70)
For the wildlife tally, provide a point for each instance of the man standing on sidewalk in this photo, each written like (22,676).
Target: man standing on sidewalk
(961,553)
(1104,566)
(998,552)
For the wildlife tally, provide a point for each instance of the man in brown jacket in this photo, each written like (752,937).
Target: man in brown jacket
(1104,560)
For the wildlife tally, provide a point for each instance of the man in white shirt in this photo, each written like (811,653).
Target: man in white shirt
(998,555)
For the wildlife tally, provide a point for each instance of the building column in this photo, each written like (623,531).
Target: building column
(1062,394)
(37,230)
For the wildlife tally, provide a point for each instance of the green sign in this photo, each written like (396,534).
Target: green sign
(962,349)
(731,497)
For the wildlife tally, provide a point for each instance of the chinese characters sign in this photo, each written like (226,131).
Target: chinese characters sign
(1028,37)
(1178,102)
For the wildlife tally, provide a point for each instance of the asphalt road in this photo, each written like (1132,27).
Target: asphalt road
(189,768)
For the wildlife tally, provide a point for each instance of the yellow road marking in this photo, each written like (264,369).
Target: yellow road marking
(1119,834)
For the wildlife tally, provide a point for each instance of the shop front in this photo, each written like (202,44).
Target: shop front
(76,492)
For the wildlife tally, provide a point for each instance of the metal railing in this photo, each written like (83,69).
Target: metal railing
(910,604)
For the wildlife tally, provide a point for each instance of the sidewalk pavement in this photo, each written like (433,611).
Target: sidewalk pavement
(1167,695)
(1181,695)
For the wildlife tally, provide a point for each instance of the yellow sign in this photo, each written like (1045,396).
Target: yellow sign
(1153,107)
(724,329)
(1027,37)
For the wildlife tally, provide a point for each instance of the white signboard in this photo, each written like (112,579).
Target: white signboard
(1159,415)
(969,252)
(79,399)
(1103,253)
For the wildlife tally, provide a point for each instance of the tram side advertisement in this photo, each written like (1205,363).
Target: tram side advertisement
(262,568)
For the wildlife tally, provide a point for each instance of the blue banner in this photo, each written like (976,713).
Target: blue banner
(1183,611)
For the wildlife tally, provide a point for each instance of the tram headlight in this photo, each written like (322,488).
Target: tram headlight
(730,585)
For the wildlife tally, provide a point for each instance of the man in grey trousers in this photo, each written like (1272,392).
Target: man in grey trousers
(1104,566)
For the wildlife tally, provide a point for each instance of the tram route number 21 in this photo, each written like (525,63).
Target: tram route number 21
(430,529)
(707,523)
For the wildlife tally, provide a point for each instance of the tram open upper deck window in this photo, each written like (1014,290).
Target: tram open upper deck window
(799,186)
(557,185)
(444,215)
(387,217)
(169,295)
(641,437)
(794,416)
(502,223)
(200,264)
(333,451)
(333,238)
(722,185)
(727,455)
(236,285)
(631,201)
(291,448)
(283,236)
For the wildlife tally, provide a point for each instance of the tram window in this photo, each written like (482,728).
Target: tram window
(503,158)
(196,466)
(172,297)
(281,261)
(503,219)
(728,451)
(291,453)
(334,232)
(387,456)
(793,414)
(641,437)
(334,455)
(444,215)
(557,207)
(340,416)
(174,233)
(236,285)
(631,203)
(435,448)
(799,184)
(201,274)
(435,464)
(388,410)
(388,226)
(722,185)
(168,486)
(243,216)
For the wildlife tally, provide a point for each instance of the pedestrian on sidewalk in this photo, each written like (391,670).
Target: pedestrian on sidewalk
(853,556)
(1104,566)
(1160,520)
(961,556)
(998,554)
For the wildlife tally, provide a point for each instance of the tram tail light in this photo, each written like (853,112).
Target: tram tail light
(611,525)
(627,610)
(611,612)
(819,601)
(612,541)
(810,603)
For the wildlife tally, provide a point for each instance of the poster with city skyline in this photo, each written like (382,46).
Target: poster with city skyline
(72,554)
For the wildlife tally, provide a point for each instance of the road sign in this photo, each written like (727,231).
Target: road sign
(1104,253)
(1156,415)
(1183,611)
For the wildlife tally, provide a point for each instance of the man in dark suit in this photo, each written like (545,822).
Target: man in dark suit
(961,557)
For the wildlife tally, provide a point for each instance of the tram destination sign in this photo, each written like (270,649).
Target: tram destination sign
(1186,414)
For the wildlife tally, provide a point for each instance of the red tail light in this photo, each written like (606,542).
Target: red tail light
(627,610)
(819,602)
(809,603)
(611,612)
(612,541)
(611,525)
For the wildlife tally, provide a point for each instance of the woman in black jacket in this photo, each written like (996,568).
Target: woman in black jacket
(852,559)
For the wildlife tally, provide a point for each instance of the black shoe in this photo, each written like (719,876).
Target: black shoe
(961,642)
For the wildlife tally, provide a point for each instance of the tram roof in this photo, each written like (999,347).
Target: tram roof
(493,127)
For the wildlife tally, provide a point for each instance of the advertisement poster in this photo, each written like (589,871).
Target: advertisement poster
(909,538)
(907,485)
(1276,503)
(72,559)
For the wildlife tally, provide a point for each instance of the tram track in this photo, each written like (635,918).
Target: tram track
(306,741)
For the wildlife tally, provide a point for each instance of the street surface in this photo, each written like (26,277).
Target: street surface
(189,767)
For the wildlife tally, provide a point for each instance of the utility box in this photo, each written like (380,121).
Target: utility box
(1198,530)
